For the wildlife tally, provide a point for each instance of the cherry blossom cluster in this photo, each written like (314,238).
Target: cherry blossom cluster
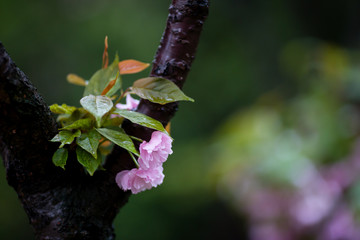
(150,172)
(152,155)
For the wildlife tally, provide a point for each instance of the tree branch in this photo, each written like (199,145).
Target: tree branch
(70,204)
(174,56)
(60,204)
(26,125)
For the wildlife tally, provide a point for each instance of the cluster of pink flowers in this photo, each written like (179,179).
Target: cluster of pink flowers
(150,172)
(152,155)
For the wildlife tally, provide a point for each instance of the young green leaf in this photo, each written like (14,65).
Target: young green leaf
(112,87)
(60,157)
(66,137)
(87,160)
(63,109)
(141,119)
(159,90)
(108,87)
(89,141)
(67,119)
(113,122)
(120,138)
(98,106)
(101,79)
(83,124)
(116,87)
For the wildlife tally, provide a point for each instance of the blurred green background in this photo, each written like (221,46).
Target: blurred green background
(269,148)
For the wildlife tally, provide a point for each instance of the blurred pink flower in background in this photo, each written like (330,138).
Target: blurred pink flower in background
(316,204)
(342,226)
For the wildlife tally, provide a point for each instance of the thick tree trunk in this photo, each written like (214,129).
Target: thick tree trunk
(70,204)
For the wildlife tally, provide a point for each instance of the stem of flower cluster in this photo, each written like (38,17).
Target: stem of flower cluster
(123,94)
(133,158)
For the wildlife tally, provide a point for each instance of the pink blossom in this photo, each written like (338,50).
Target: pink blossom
(156,151)
(138,180)
(150,171)
(131,103)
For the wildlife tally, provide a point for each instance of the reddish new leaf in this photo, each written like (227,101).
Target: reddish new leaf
(131,66)
(109,86)
(75,79)
(168,127)
(105,54)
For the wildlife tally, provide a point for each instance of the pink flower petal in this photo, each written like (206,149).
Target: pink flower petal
(131,103)
(156,151)
(138,180)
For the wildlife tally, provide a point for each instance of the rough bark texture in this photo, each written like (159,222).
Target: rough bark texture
(70,204)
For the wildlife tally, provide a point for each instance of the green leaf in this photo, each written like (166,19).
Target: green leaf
(113,122)
(141,119)
(101,79)
(98,106)
(87,160)
(67,119)
(116,86)
(63,109)
(60,157)
(83,124)
(159,90)
(66,137)
(89,141)
(120,138)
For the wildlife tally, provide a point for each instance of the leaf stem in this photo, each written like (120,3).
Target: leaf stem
(133,158)
(137,139)
(123,94)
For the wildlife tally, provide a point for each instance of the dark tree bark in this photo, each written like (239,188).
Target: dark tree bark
(70,204)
